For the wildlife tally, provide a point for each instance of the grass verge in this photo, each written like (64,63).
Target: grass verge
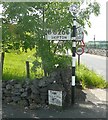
(89,79)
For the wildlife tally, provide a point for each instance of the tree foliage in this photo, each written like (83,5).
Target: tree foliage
(25,24)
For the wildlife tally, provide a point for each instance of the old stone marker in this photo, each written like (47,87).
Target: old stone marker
(55,97)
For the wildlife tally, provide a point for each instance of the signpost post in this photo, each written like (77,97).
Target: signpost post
(80,49)
(80,34)
(79,52)
(73,9)
(55,97)
(74,36)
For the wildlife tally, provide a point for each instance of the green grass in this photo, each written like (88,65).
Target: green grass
(89,78)
(15,68)
(15,65)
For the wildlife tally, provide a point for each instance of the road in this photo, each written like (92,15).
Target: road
(95,63)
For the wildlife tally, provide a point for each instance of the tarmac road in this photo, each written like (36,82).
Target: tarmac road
(96,63)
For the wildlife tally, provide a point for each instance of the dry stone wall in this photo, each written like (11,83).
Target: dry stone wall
(34,93)
(101,52)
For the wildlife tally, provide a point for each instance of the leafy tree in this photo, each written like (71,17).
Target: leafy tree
(25,25)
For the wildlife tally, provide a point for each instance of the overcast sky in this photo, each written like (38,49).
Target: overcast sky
(98,24)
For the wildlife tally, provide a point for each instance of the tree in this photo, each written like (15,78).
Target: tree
(25,25)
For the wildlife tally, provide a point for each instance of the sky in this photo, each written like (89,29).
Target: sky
(98,27)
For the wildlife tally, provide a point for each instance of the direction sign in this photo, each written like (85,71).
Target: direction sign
(73,9)
(61,35)
(53,36)
(79,37)
(58,37)
(80,51)
(80,34)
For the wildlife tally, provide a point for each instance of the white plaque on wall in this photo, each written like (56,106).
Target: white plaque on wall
(55,97)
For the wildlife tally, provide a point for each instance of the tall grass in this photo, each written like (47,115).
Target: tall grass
(89,78)
(15,65)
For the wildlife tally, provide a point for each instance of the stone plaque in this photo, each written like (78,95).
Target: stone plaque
(55,97)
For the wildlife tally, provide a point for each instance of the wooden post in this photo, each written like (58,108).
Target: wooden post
(28,69)
(2,60)
(78,60)
(0,67)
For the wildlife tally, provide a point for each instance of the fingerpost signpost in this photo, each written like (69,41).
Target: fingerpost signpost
(74,36)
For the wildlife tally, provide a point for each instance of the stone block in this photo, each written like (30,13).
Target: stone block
(34,96)
(44,93)
(12,82)
(8,99)
(16,98)
(8,87)
(24,94)
(43,90)
(7,93)
(35,82)
(23,103)
(33,106)
(18,86)
(34,90)
(22,90)
(42,83)
(15,91)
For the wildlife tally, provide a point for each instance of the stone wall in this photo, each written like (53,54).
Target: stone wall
(101,52)
(34,93)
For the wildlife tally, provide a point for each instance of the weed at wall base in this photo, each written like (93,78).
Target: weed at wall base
(89,78)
